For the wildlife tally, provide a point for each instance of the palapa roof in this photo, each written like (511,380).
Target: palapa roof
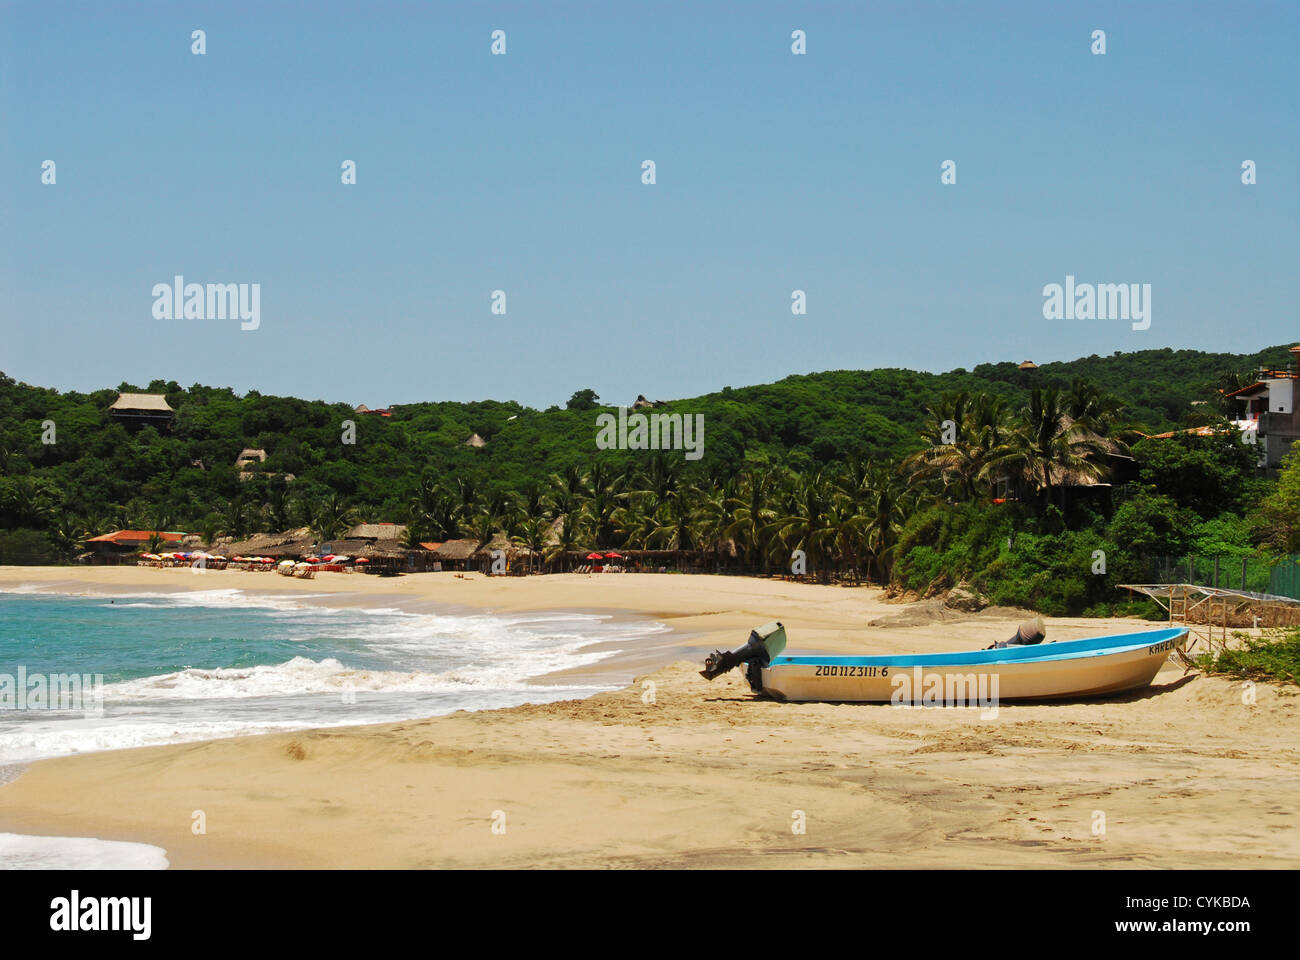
(353,547)
(260,544)
(475,441)
(378,531)
(136,536)
(301,543)
(456,549)
(501,542)
(154,402)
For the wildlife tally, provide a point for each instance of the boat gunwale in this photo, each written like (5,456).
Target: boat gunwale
(1081,649)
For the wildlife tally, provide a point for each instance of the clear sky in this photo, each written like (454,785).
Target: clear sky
(522,173)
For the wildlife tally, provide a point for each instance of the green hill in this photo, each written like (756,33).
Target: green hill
(107,475)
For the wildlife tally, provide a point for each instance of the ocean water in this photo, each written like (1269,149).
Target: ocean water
(216,663)
(180,667)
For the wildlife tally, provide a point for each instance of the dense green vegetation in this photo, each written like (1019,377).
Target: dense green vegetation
(1273,656)
(851,467)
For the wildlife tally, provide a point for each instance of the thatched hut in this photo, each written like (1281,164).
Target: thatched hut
(454,554)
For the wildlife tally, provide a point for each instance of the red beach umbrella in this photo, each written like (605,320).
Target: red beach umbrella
(595,556)
(614,556)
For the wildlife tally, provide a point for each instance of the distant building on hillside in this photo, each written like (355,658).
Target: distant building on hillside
(141,409)
(381,412)
(1028,365)
(1272,405)
(475,441)
(249,456)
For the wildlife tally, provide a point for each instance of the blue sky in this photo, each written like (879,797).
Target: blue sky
(523,173)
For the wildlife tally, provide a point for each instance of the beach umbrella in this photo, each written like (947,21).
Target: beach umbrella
(342,559)
(313,559)
(362,560)
(286,563)
(595,556)
(614,556)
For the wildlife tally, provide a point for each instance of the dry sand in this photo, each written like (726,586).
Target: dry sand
(1185,774)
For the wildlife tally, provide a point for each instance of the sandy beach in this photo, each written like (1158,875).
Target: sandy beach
(673,771)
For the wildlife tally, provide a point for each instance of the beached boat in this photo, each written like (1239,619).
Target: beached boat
(1040,671)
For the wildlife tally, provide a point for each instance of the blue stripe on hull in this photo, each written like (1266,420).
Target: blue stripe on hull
(1062,650)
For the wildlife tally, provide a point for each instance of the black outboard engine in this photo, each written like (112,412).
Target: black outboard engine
(1030,632)
(764,643)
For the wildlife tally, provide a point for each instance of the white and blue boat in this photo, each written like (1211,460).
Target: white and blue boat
(1040,671)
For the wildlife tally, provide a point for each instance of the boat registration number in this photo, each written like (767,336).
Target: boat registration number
(837,671)
(1164,647)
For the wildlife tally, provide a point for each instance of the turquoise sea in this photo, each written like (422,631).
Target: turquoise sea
(216,663)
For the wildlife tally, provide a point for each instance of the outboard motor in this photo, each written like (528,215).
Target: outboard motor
(765,642)
(1030,632)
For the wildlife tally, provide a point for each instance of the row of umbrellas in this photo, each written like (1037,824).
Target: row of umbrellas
(200,555)
(192,555)
(604,556)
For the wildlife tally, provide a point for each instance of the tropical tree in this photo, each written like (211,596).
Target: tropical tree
(533,535)
(806,522)
(1048,448)
(751,517)
(332,518)
(568,536)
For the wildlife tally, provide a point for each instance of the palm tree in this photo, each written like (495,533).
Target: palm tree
(209,527)
(236,518)
(332,518)
(276,508)
(751,516)
(660,481)
(532,499)
(885,511)
(568,536)
(69,535)
(675,527)
(1048,444)
(962,433)
(599,513)
(533,536)
(806,524)
(483,527)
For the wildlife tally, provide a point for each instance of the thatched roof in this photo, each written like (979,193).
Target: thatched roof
(304,545)
(500,542)
(293,548)
(155,402)
(456,549)
(260,544)
(352,547)
(475,441)
(378,531)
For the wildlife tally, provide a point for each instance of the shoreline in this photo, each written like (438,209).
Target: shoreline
(701,774)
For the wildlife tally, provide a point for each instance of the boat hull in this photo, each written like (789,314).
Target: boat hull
(1077,668)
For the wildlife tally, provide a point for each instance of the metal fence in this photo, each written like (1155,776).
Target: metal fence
(1252,574)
